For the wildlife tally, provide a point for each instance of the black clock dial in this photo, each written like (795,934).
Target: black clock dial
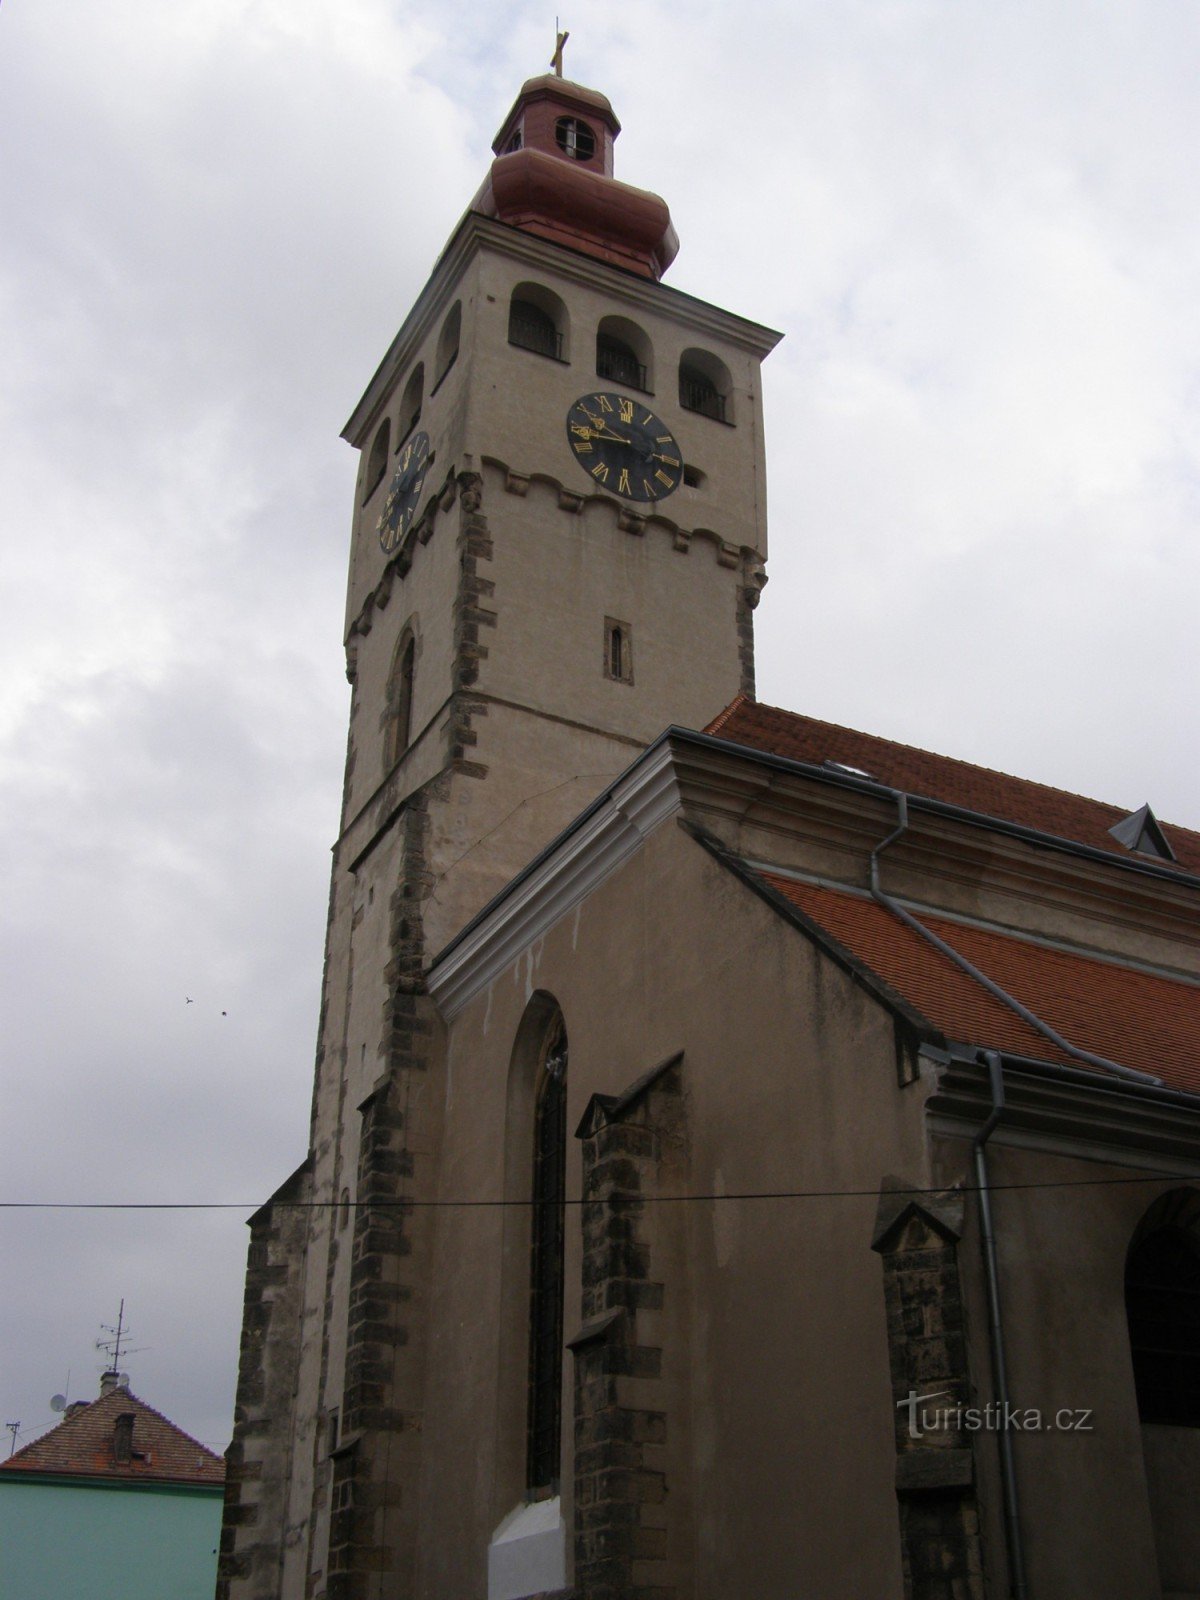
(624,447)
(403,492)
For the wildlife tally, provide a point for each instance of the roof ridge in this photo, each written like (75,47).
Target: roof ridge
(79,1419)
(162,1417)
(739,700)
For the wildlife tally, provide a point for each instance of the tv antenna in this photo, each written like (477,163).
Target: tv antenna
(14,1428)
(114,1346)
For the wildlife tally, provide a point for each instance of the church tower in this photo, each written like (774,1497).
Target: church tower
(558,540)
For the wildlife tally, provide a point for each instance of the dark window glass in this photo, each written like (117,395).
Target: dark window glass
(575,138)
(1162,1302)
(546,1288)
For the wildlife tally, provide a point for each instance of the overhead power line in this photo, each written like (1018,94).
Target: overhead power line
(404,1203)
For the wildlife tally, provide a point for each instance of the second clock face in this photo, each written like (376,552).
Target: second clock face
(403,492)
(624,447)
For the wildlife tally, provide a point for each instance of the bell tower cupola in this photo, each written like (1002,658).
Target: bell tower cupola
(553,176)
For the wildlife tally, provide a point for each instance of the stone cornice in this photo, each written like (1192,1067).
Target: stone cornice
(1099,1119)
(475,233)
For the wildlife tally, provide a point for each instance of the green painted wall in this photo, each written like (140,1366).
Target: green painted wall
(69,1541)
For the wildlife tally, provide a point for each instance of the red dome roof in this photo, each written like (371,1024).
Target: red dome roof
(552,176)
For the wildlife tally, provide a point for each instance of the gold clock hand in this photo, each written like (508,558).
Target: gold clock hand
(601,429)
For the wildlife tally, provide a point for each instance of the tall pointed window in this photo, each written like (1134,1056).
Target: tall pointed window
(400,698)
(546,1277)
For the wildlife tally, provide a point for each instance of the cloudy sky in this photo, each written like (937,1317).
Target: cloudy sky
(978,227)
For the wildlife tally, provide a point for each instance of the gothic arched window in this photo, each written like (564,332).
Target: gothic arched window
(546,1271)
(1162,1303)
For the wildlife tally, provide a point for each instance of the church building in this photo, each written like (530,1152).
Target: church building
(749,1158)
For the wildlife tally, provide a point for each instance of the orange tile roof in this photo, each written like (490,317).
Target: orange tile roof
(1135,1018)
(956,783)
(82,1446)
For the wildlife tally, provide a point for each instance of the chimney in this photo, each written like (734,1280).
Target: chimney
(112,1380)
(123,1439)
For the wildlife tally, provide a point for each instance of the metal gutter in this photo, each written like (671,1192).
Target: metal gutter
(939,808)
(1152,1089)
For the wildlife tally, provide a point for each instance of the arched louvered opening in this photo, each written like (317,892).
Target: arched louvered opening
(705,385)
(537,321)
(377,461)
(448,341)
(410,404)
(624,355)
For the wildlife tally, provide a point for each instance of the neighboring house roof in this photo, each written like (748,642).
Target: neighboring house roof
(88,1444)
(942,778)
(1136,1018)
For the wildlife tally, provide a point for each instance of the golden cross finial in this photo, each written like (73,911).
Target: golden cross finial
(560,39)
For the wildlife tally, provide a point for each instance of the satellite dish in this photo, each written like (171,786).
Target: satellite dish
(58,1402)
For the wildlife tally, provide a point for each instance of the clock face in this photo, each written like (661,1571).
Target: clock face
(624,447)
(403,492)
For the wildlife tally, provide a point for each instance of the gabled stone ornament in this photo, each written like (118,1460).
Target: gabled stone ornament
(1141,831)
(904,1211)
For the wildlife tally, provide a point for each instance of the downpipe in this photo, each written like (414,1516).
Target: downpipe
(1013,1541)
(1008,1474)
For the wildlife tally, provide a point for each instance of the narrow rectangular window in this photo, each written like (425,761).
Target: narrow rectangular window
(618,650)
